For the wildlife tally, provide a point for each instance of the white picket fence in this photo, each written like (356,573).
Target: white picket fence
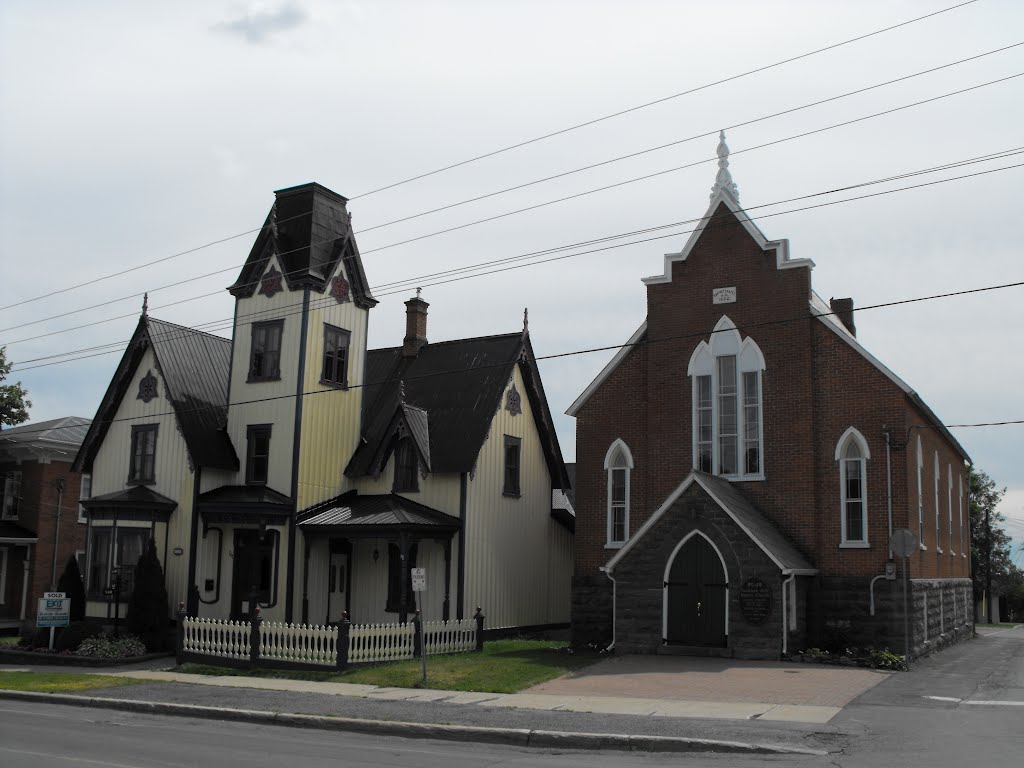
(317,645)
(215,637)
(302,643)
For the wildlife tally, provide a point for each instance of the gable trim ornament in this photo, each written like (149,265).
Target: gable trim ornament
(340,290)
(514,401)
(147,387)
(271,282)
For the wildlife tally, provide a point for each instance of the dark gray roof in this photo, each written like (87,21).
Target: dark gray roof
(244,495)
(137,502)
(459,385)
(195,368)
(309,230)
(354,510)
(68,429)
(760,528)
(12,532)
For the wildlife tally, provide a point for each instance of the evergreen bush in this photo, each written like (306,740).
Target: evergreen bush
(147,608)
(72,586)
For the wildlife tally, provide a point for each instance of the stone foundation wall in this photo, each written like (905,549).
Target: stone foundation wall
(591,611)
(942,614)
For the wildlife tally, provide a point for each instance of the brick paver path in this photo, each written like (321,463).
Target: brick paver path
(700,679)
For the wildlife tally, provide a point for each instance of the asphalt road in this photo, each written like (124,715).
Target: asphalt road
(960,707)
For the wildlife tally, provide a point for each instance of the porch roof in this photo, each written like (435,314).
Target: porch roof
(137,502)
(353,513)
(242,504)
(12,533)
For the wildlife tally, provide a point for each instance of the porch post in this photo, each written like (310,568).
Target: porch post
(305,579)
(403,550)
(445,609)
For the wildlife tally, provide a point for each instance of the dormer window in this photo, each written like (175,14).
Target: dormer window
(406,466)
(265,353)
(725,377)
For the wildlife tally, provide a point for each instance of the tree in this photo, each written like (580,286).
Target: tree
(147,607)
(992,569)
(13,405)
(71,585)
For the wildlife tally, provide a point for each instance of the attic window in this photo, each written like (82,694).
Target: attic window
(513,452)
(406,478)
(142,462)
(335,368)
(265,355)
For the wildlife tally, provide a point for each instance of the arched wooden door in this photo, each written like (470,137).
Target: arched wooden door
(696,595)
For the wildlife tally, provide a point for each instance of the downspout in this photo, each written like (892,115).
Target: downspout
(888,480)
(611,645)
(56,534)
(296,445)
(785,611)
(192,589)
(461,586)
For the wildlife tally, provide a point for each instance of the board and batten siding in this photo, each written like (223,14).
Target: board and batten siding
(172,474)
(266,402)
(511,545)
(331,416)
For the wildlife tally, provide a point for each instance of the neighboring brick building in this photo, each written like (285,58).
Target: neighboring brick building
(743,460)
(39,489)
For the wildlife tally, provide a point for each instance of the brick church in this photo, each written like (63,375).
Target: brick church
(743,460)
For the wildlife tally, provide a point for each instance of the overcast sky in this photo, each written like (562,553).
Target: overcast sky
(133,131)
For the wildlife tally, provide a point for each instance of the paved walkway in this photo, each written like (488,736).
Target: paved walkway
(647,686)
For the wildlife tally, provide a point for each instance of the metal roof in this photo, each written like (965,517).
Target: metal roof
(388,510)
(68,429)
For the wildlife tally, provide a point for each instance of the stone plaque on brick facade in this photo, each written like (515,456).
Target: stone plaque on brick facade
(724,295)
(755,601)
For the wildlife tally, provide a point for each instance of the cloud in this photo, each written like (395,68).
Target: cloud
(260,23)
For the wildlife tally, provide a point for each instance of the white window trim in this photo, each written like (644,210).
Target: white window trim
(616,447)
(949,507)
(11,479)
(853,434)
(3,574)
(938,513)
(86,477)
(920,494)
(726,341)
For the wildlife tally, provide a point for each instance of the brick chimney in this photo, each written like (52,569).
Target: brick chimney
(415,326)
(843,309)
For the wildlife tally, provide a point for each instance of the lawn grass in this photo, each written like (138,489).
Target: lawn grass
(1003,625)
(60,682)
(504,666)
(7,641)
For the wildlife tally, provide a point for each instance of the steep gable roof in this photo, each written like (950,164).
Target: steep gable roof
(459,385)
(67,429)
(194,367)
(309,230)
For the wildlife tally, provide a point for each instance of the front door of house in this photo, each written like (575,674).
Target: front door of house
(253,572)
(697,591)
(337,587)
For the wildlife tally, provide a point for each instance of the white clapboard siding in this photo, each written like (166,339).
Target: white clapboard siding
(215,637)
(303,643)
(380,642)
(449,636)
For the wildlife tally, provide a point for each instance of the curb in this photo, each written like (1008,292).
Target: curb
(518,737)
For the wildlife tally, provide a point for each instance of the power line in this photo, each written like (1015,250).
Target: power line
(644,342)
(532,141)
(662,100)
(326,301)
(549,202)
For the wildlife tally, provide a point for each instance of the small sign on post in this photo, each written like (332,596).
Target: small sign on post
(419,584)
(54,610)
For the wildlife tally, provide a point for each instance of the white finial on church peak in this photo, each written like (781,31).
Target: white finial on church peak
(723,181)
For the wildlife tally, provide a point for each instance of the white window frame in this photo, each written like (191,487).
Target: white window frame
(704,361)
(84,493)
(854,435)
(12,491)
(920,493)
(618,450)
(949,508)
(938,514)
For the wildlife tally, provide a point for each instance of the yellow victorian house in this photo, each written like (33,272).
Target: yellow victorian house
(293,468)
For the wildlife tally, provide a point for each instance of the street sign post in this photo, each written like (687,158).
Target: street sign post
(54,610)
(903,543)
(419,584)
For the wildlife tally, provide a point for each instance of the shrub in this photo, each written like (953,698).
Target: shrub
(71,636)
(147,608)
(886,659)
(71,585)
(104,647)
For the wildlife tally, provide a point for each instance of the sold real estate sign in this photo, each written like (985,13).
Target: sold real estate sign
(54,610)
